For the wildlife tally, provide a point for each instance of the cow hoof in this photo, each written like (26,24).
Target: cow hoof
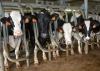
(36,64)
(80,53)
(6,67)
(58,57)
(72,52)
(55,58)
(18,66)
(86,53)
(45,60)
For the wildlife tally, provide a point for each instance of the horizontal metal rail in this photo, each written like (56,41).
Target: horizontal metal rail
(34,5)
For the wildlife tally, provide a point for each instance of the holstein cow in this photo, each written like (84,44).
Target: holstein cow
(64,30)
(27,21)
(87,27)
(41,32)
(83,34)
(15,35)
(75,33)
(96,32)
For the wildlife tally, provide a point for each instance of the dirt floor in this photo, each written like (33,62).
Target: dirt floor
(89,62)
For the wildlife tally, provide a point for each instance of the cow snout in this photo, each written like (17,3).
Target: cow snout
(87,38)
(68,42)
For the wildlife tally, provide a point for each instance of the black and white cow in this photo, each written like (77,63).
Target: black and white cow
(64,30)
(43,23)
(15,34)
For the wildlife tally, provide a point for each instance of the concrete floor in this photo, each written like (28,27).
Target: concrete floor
(89,62)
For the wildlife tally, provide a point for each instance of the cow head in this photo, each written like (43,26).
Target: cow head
(67,28)
(86,29)
(16,18)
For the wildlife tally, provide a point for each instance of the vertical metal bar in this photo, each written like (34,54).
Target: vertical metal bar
(31,10)
(75,20)
(1,52)
(1,46)
(66,19)
(86,8)
(24,35)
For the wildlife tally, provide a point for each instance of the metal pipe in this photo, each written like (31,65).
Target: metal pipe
(1,48)
(66,19)
(24,35)
(75,20)
(1,53)
(86,8)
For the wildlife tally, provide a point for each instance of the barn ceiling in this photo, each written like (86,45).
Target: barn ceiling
(75,3)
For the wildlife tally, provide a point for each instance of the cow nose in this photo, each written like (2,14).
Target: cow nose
(87,38)
(69,42)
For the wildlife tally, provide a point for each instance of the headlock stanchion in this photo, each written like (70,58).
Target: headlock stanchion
(53,39)
(5,48)
(37,44)
(25,42)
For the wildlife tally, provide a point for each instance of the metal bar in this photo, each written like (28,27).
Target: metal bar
(66,19)
(34,5)
(1,46)
(24,35)
(1,53)
(75,20)
(86,8)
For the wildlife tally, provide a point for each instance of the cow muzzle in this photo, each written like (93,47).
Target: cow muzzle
(87,38)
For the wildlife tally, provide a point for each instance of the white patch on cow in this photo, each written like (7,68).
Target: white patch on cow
(16,18)
(67,32)
(87,23)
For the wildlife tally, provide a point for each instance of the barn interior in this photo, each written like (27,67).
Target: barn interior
(76,62)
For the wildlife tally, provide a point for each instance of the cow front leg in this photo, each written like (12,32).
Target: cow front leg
(54,52)
(44,56)
(79,47)
(5,56)
(72,50)
(98,45)
(27,53)
(5,60)
(18,40)
(35,55)
(86,47)
(57,53)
